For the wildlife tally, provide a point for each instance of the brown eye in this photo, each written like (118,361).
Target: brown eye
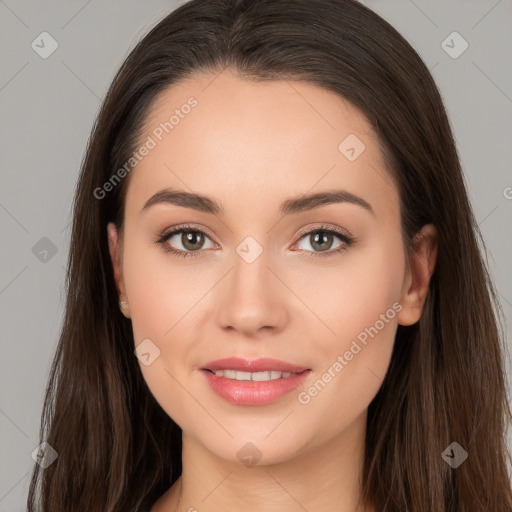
(184,241)
(321,240)
(192,240)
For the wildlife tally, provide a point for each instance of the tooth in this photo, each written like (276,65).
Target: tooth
(261,376)
(254,376)
(243,376)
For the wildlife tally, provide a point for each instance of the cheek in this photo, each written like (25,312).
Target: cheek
(359,302)
(160,290)
(164,300)
(351,293)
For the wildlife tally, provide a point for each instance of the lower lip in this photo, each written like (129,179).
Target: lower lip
(244,392)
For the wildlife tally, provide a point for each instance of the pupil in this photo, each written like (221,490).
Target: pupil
(324,238)
(191,238)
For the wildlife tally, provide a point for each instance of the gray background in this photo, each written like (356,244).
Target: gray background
(47,109)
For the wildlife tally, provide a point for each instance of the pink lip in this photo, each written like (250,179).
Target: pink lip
(253,392)
(253,365)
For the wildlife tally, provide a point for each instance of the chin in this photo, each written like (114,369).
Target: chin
(252,447)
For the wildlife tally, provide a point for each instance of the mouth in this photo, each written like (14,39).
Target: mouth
(241,364)
(253,382)
(253,376)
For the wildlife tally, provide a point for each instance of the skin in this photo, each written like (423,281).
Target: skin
(250,146)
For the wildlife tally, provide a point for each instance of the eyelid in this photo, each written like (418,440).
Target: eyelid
(324,227)
(186,227)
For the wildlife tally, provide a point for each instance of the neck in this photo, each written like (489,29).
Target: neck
(325,477)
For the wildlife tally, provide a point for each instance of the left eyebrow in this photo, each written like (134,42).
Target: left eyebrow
(312,201)
(290,206)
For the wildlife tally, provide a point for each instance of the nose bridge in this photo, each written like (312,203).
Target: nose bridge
(251,298)
(251,260)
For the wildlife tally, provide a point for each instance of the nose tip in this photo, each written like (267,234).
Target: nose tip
(250,302)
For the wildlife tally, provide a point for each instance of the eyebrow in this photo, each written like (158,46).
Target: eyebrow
(290,206)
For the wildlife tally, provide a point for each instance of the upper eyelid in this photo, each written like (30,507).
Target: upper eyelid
(180,229)
(337,231)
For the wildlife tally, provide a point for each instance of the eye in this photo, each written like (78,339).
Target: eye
(321,239)
(191,240)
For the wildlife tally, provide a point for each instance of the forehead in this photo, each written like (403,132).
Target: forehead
(248,143)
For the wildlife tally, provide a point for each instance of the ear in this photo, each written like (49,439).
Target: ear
(115,249)
(421,264)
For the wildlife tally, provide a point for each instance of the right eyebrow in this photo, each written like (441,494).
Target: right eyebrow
(186,199)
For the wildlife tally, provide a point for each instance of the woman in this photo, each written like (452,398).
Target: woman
(276,299)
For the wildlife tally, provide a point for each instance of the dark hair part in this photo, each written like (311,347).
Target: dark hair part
(117,449)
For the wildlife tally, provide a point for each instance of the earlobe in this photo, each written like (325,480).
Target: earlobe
(422,261)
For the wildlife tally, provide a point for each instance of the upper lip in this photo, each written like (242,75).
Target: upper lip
(253,365)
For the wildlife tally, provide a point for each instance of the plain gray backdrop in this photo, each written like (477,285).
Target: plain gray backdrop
(48,103)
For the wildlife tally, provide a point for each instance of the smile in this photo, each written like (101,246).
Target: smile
(256,382)
(254,376)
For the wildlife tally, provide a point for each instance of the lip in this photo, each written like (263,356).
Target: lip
(253,393)
(253,365)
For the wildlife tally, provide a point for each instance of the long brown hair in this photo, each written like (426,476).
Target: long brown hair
(117,449)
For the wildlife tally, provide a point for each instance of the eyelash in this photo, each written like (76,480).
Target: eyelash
(347,241)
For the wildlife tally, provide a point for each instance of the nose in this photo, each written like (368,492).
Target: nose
(252,297)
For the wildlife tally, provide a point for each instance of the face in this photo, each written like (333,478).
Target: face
(319,287)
